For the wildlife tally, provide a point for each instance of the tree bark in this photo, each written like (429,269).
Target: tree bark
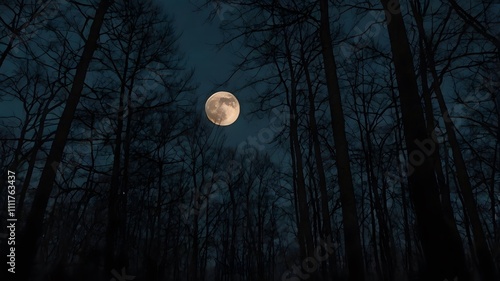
(34,222)
(326,231)
(487,266)
(442,245)
(352,238)
(483,253)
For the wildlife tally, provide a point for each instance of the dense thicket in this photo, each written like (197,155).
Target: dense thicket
(384,115)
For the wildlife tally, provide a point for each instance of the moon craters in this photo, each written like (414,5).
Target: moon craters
(222,108)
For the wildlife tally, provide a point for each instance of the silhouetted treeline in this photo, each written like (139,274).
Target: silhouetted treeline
(380,160)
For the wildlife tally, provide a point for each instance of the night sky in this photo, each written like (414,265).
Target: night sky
(367,146)
(213,65)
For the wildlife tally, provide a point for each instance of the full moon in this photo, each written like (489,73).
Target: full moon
(222,108)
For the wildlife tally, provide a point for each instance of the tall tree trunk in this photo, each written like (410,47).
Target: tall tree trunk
(486,264)
(7,50)
(352,238)
(32,160)
(304,220)
(443,184)
(304,226)
(384,235)
(405,205)
(34,221)
(441,244)
(429,115)
(113,231)
(326,231)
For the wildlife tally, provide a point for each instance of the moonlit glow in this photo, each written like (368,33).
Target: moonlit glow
(222,108)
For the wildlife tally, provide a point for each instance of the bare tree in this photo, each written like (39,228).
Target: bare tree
(441,244)
(351,228)
(34,220)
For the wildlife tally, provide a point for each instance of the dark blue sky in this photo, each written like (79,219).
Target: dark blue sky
(213,66)
(197,42)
